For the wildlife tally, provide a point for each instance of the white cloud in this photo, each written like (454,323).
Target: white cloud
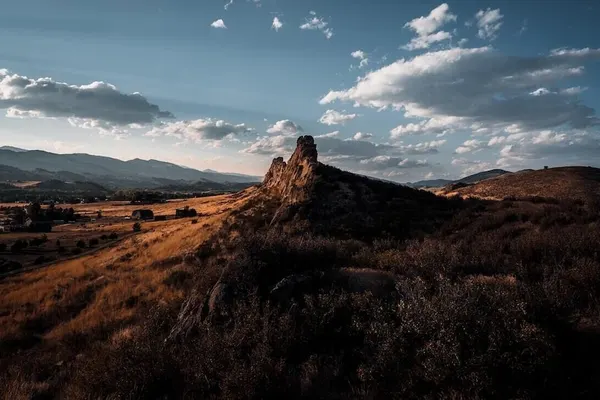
(277,24)
(96,104)
(332,117)
(229,4)
(199,130)
(469,146)
(330,134)
(388,162)
(219,24)
(423,42)
(422,148)
(426,28)
(469,167)
(362,56)
(285,127)
(489,23)
(317,23)
(362,136)
(465,88)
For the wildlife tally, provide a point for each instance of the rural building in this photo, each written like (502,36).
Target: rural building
(142,214)
(185,212)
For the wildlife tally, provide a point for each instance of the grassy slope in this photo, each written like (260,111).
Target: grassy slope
(563,183)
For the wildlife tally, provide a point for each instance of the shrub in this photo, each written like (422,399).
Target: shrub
(194,221)
(93,242)
(137,227)
(18,245)
(113,236)
(104,237)
(80,244)
(62,249)
(76,250)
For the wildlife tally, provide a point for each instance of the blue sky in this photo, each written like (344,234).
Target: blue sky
(465,86)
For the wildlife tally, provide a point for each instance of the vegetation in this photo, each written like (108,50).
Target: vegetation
(137,227)
(366,290)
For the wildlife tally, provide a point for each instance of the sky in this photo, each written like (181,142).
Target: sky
(400,90)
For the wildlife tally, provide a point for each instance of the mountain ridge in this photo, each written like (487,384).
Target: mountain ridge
(114,172)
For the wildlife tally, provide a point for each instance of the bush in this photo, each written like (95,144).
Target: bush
(93,242)
(76,250)
(18,245)
(137,227)
(62,250)
(113,236)
(194,221)
(80,244)
(104,237)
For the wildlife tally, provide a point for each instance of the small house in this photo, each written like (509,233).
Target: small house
(143,214)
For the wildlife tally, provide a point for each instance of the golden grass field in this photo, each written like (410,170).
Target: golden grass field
(99,296)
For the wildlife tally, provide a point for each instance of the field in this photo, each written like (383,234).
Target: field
(62,242)
(63,309)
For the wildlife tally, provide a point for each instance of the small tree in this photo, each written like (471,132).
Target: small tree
(137,227)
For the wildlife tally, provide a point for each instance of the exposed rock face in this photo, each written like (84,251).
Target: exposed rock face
(290,180)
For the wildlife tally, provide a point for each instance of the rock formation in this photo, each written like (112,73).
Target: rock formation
(290,181)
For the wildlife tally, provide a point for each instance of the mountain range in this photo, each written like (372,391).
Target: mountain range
(20,164)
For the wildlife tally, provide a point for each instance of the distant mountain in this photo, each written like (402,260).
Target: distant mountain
(481,176)
(429,183)
(11,148)
(467,179)
(109,171)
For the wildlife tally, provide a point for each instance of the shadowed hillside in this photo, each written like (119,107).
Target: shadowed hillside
(574,183)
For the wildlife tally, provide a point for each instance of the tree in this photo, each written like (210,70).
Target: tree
(81,244)
(137,227)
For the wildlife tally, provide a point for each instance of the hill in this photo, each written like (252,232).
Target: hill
(110,171)
(304,195)
(564,183)
(480,176)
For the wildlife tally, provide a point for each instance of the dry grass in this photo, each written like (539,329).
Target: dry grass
(99,297)
(573,183)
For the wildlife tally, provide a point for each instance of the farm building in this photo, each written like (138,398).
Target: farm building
(142,214)
(185,212)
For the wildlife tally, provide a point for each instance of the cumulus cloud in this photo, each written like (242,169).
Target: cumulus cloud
(475,88)
(362,56)
(422,148)
(469,167)
(277,24)
(330,134)
(489,23)
(286,128)
(362,136)
(219,24)
(388,162)
(470,146)
(317,23)
(332,117)
(426,28)
(97,103)
(199,130)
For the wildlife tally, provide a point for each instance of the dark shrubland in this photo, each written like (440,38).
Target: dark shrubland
(501,302)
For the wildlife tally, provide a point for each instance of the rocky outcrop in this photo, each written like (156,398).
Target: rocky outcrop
(291,181)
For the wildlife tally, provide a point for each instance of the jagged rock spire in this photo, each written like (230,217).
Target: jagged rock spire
(288,180)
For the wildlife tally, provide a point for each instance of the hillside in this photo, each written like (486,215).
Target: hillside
(480,176)
(566,183)
(306,195)
(111,171)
